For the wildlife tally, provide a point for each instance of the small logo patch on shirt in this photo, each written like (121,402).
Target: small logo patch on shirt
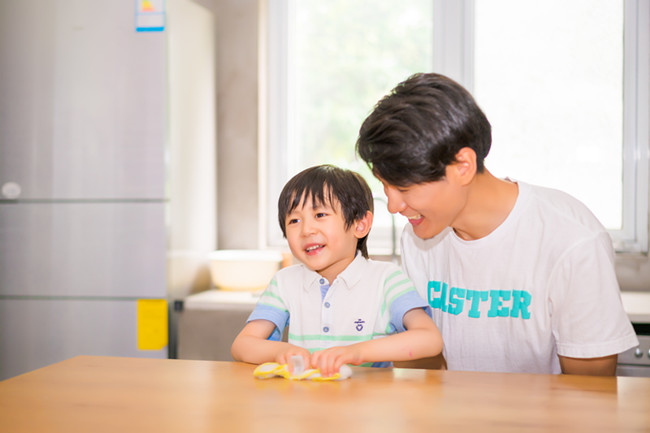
(359,324)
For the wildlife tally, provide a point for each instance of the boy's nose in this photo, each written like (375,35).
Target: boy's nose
(307,227)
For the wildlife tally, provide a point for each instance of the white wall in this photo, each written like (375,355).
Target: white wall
(213,56)
(237,120)
(191,179)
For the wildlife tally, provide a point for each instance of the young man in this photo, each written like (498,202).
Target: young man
(341,307)
(520,278)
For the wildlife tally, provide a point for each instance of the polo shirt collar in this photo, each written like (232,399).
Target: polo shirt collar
(350,275)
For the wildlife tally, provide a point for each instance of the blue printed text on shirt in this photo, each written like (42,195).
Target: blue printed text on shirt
(497,303)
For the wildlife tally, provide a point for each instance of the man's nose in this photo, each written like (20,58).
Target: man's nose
(394,199)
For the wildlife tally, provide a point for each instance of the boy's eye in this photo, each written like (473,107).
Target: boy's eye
(321,215)
(292,221)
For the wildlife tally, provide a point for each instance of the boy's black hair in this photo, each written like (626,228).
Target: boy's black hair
(326,184)
(415,131)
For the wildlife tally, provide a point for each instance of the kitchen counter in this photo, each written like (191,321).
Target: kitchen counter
(219,299)
(637,306)
(102,394)
(210,321)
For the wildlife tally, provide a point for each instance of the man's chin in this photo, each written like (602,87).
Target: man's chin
(425,234)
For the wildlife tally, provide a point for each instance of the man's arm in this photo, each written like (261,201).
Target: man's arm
(434,363)
(605,366)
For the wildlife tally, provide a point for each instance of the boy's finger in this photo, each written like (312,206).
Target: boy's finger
(313,360)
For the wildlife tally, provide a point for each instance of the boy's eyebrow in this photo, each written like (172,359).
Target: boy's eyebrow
(323,206)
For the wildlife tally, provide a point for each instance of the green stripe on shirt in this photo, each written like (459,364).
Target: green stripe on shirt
(272,300)
(390,297)
(318,337)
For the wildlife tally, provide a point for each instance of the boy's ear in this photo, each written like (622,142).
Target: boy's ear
(362,226)
(464,168)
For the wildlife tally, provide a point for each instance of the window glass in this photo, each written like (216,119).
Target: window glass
(549,76)
(343,56)
(348,55)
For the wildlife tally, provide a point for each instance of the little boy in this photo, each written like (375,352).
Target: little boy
(341,307)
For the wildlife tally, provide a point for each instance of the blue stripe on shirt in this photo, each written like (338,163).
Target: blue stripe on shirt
(403,304)
(278,316)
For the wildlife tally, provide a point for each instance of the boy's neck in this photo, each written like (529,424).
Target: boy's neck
(489,202)
(335,269)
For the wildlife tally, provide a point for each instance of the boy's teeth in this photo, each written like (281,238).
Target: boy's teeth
(313,248)
(415,217)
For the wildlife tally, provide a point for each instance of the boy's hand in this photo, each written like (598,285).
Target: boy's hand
(329,361)
(284,355)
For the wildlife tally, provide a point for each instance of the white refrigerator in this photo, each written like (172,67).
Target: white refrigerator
(82,181)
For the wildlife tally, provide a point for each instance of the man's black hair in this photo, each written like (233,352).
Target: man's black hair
(415,131)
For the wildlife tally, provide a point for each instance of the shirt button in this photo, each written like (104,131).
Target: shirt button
(322,280)
(327,304)
(326,329)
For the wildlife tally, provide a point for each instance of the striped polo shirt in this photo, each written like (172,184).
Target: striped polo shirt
(367,300)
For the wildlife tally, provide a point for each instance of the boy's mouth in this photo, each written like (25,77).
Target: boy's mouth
(311,249)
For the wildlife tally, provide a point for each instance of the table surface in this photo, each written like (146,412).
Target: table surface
(105,394)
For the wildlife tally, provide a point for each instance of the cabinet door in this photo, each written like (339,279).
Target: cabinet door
(82,101)
(35,333)
(83,249)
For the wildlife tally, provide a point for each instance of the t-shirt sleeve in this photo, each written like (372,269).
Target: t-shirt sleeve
(271,307)
(587,313)
(400,297)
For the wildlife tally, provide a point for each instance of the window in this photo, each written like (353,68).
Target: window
(567,96)
(564,79)
(330,62)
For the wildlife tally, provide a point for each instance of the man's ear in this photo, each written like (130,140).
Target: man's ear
(464,168)
(362,226)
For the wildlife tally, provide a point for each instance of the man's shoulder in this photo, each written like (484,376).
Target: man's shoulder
(553,204)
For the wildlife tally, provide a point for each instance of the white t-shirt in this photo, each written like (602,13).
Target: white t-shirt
(541,284)
(367,300)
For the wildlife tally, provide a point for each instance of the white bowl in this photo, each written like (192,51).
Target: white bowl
(243,270)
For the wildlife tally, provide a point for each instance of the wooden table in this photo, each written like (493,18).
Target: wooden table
(121,395)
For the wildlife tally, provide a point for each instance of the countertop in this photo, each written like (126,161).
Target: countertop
(219,299)
(636,304)
(103,394)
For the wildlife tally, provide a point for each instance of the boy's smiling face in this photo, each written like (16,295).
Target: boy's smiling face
(318,237)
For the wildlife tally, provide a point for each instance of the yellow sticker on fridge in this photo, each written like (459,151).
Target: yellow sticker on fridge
(152,324)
